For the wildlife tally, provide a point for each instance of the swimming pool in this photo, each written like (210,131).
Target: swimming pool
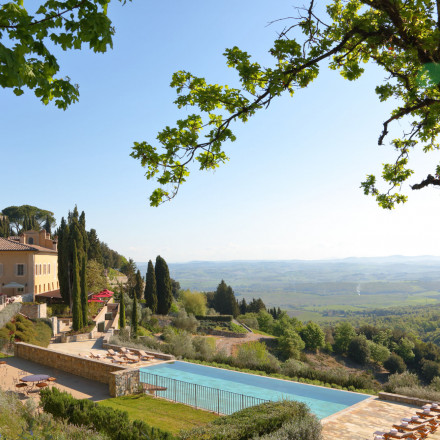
(322,401)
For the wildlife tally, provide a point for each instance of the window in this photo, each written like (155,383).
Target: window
(44,287)
(30,240)
(48,269)
(1,269)
(36,269)
(44,269)
(39,270)
(20,270)
(39,288)
(20,289)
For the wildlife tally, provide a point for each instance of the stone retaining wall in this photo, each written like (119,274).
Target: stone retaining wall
(403,399)
(124,382)
(223,333)
(34,311)
(77,365)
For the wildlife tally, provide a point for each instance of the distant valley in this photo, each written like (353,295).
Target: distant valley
(313,287)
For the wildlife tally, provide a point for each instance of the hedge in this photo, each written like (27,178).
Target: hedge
(250,422)
(217,318)
(112,422)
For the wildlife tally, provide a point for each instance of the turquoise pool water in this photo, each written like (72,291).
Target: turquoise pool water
(322,401)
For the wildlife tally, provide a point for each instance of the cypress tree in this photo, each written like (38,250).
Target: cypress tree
(84,296)
(243,306)
(63,261)
(47,225)
(163,285)
(139,285)
(94,250)
(134,322)
(224,300)
(121,311)
(76,293)
(150,293)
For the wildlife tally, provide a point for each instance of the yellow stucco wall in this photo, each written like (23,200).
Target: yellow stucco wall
(43,264)
(37,278)
(9,260)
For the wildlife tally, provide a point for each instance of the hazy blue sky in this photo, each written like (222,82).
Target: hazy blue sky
(291,189)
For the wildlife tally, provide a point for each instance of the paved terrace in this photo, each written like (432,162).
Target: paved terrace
(360,421)
(79,387)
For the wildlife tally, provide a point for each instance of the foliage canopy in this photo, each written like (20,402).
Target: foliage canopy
(27,36)
(400,36)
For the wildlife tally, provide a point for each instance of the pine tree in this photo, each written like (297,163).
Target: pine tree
(139,285)
(84,295)
(150,293)
(121,311)
(163,283)
(134,322)
(76,293)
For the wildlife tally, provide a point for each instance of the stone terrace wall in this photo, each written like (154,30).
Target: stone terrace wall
(80,366)
(34,311)
(124,382)
(403,399)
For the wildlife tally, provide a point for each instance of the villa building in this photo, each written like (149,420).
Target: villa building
(28,265)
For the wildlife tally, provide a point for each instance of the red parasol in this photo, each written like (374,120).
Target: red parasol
(107,291)
(102,295)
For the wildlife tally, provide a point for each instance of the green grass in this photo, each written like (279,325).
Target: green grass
(160,413)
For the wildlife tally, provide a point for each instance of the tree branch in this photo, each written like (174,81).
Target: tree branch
(430,180)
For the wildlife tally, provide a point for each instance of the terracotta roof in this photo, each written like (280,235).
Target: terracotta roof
(11,245)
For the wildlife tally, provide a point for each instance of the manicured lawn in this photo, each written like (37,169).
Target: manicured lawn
(160,413)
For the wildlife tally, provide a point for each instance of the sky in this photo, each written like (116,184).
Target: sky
(291,187)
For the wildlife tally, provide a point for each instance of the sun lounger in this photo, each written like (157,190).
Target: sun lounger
(426,414)
(145,356)
(124,350)
(118,360)
(132,358)
(394,433)
(111,352)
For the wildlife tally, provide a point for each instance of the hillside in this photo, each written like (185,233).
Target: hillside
(297,285)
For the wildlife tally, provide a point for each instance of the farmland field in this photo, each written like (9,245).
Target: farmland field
(326,289)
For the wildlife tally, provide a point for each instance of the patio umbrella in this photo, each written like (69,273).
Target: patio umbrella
(14,285)
(102,295)
(95,301)
(107,291)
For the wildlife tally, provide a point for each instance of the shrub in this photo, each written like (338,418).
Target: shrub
(358,350)
(306,428)
(250,422)
(435,384)
(249,319)
(395,364)
(255,356)
(109,421)
(405,379)
(430,369)
(185,322)
(204,348)
(296,369)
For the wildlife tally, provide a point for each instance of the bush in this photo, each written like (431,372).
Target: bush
(249,319)
(204,348)
(185,322)
(296,369)
(22,421)
(306,428)
(430,369)
(111,422)
(254,355)
(395,364)
(358,350)
(405,379)
(250,422)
